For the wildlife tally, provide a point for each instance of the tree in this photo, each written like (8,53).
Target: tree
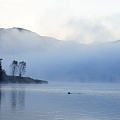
(14,67)
(22,68)
(0,70)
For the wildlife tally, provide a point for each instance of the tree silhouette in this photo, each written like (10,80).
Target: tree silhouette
(14,67)
(0,70)
(22,68)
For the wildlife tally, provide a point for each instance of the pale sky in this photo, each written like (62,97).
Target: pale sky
(81,20)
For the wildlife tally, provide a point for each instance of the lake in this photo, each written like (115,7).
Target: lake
(88,101)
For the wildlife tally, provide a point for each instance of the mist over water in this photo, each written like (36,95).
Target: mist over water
(56,60)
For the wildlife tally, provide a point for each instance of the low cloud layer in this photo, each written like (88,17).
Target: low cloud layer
(55,60)
(18,40)
(93,30)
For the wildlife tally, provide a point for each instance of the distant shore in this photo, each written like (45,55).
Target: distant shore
(17,79)
(26,80)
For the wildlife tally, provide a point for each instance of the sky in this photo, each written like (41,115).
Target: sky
(84,21)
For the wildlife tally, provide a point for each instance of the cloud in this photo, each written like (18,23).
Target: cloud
(87,31)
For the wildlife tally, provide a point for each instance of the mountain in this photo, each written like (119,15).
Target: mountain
(19,40)
(51,59)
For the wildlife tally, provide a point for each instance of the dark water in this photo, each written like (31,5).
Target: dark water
(51,102)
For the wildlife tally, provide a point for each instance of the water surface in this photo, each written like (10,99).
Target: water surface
(89,101)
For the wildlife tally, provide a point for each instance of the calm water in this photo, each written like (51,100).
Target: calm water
(51,102)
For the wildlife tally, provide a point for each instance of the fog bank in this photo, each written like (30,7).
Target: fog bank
(54,60)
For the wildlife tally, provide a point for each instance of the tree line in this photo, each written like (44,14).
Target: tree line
(18,68)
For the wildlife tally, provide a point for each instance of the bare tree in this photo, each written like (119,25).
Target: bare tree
(22,68)
(14,67)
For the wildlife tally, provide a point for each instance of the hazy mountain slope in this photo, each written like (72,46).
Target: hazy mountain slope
(18,40)
(51,59)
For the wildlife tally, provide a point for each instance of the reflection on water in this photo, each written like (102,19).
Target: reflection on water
(17,98)
(45,102)
(0,95)
(13,99)
(12,96)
